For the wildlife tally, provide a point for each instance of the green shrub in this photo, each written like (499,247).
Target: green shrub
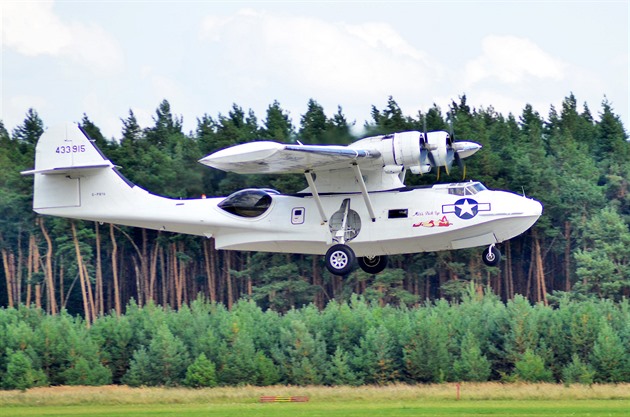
(339,372)
(20,373)
(531,368)
(201,373)
(83,372)
(267,371)
(471,365)
(609,356)
(578,372)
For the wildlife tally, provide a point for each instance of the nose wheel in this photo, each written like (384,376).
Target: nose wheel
(340,259)
(491,256)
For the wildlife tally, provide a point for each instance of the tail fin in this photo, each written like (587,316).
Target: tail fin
(74,179)
(68,166)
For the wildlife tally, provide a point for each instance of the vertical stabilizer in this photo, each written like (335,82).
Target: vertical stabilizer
(63,157)
(73,179)
(67,147)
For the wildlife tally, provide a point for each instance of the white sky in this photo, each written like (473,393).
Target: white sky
(102,58)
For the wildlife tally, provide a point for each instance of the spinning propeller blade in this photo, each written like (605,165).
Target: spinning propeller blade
(451,153)
(425,148)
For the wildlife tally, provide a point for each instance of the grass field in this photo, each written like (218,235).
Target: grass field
(490,399)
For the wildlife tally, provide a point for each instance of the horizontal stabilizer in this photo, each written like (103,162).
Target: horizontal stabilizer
(67,170)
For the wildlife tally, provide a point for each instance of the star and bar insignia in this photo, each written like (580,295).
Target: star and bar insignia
(465,208)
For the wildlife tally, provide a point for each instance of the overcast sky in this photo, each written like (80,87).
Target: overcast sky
(66,58)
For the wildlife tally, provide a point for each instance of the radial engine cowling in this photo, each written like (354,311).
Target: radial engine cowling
(412,151)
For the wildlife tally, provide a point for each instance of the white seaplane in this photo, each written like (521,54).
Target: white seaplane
(356,208)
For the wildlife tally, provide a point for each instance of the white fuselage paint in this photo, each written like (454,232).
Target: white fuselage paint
(436,220)
(74,179)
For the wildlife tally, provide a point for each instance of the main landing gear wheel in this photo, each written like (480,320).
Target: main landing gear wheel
(372,264)
(340,259)
(491,256)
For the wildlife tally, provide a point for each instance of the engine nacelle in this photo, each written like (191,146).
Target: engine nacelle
(410,150)
(404,150)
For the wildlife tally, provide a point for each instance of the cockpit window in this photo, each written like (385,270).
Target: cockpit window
(466,189)
(477,187)
(247,203)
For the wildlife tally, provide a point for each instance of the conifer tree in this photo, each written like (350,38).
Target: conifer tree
(603,262)
(31,130)
(20,373)
(340,371)
(277,125)
(578,372)
(94,132)
(375,357)
(84,371)
(201,373)
(139,372)
(471,365)
(389,120)
(239,364)
(609,356)
(426,355)
(531,368)
(267,372)
(313,124)
(169,358)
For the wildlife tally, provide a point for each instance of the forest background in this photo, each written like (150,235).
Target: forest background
(575,163)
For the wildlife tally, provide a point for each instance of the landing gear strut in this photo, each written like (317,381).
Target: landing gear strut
(340,259)
(491,256)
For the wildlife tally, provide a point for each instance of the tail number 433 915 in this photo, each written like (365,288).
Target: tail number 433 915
(70,149)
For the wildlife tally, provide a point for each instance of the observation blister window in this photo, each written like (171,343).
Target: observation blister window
(247,203)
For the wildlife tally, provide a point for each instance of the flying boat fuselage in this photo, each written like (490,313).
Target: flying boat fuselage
(441,217)
(356,206)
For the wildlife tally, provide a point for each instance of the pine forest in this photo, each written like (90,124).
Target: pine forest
(92,304)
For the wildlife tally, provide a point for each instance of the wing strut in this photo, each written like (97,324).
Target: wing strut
(318,201)
(366,196)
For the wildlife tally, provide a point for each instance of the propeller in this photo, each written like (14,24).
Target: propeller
(451,154)
(425,151)
(452,150)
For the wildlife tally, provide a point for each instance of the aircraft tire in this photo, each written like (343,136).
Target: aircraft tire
(373,264)
(340,260)
(491,256)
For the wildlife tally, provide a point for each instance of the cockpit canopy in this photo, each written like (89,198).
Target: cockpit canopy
(250,202)
(465,188)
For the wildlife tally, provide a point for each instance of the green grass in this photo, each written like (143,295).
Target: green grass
(352,409)
(396,400)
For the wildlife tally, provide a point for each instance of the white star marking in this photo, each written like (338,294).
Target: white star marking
(466,208)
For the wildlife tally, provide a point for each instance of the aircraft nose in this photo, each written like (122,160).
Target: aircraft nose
(534,207)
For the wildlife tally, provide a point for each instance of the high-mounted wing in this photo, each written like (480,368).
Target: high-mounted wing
(379,161)
(267,157)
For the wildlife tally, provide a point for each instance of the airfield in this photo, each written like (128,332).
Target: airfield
(475,399)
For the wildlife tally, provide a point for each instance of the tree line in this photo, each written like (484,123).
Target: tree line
(203,344)
(572,161)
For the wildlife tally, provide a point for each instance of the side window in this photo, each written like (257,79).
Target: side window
(297,215)
(456,191)
(398,214)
